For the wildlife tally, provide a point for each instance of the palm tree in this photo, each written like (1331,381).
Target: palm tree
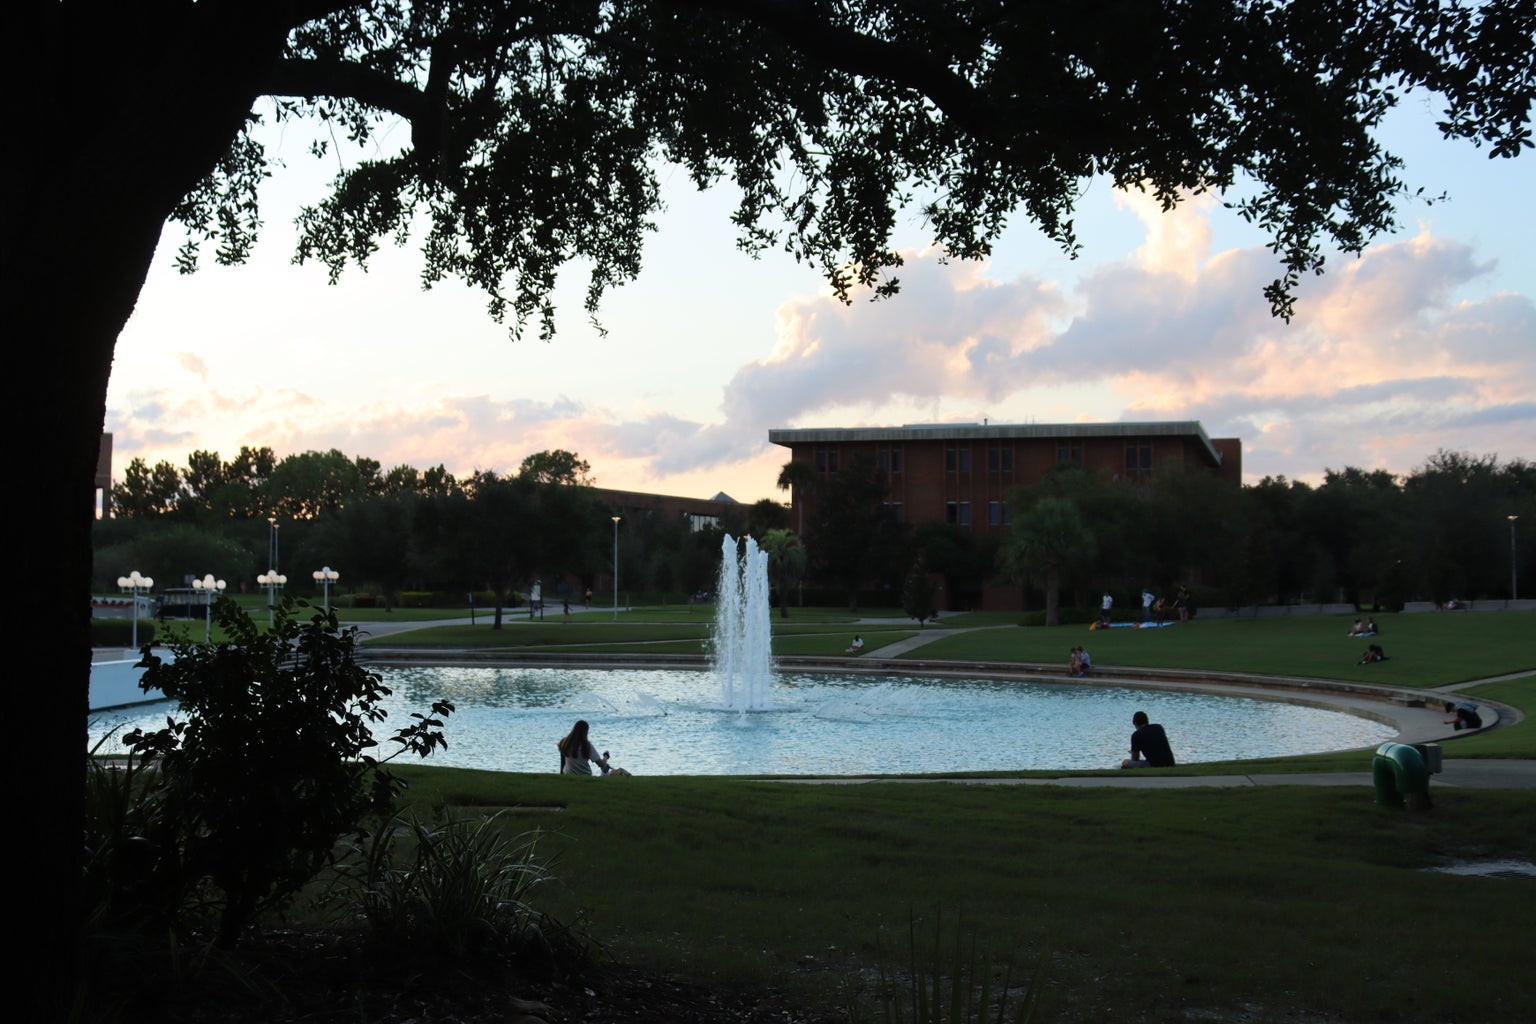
(1049,537)
(786,563)
(796,474)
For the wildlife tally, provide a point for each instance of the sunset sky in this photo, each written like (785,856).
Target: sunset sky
(1427,342)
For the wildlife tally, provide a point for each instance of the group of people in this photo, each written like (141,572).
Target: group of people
(1149,743)
(1155,608)
(1373,652)
(1078,662)
(1149,740)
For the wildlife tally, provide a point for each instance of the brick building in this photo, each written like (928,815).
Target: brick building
(960,473)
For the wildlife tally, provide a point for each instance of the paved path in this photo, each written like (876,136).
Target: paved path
(1459,773)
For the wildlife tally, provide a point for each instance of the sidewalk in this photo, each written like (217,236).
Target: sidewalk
(1464,773)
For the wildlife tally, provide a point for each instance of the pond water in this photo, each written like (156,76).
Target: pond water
(676,722)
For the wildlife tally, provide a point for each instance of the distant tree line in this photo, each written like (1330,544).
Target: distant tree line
(1368,537)
(1371,538)
(399,531)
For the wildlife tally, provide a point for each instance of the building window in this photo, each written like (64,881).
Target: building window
(957,513)
(892,511)
(826,460)
(1138,458)
(1069,451)
(957,460)
(889,460)
(1000,460)
(997,513)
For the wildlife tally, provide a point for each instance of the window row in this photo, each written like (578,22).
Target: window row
(958,513)
(958,460)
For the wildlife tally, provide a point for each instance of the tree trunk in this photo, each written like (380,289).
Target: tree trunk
(120,111)
(1053,597)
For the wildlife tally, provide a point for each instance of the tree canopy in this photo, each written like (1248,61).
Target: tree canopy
(834,118)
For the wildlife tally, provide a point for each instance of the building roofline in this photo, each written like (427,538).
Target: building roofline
(610,493)
(788,437)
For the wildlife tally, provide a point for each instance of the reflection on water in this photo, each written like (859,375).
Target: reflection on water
(663,722)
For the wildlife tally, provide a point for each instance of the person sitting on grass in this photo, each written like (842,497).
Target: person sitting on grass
(1149,745)
(857,646)
(577,754)
(1373,653)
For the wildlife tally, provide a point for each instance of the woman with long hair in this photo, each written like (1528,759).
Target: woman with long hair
(577,754)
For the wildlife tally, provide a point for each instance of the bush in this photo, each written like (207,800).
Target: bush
(935,985)
(1067,617)
(247,794)
(462,890)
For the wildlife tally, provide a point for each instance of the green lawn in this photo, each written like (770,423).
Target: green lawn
(1258,904)
(1423,650)
(1304,904)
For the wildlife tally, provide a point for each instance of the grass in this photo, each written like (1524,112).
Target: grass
(1214,904)
(1423,650)
(1301,903)
(1173,905)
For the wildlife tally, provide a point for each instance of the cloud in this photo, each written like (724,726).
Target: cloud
(1386,361)
(951,332)
(1381,363)
(193,364)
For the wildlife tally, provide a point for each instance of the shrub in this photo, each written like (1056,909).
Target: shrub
(463,888)
(247,794)
(1067,617)
(958,985)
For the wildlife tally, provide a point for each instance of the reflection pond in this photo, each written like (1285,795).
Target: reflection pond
(674,722)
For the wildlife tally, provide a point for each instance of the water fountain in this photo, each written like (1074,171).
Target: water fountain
(743,627)
(821,724)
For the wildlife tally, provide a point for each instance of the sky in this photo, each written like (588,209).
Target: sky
(1426,342)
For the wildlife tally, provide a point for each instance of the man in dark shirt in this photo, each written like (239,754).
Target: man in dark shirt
(1149,745)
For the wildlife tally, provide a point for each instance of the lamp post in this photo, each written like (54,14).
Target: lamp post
(134,583)
(1514,589)
(326,577)
(210,587)
(616,568)
(273,581)
(272,553)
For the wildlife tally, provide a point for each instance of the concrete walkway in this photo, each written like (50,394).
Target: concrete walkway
(1458,773)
